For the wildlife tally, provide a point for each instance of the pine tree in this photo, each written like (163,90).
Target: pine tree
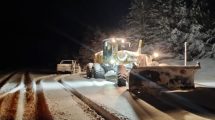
(136,19)
(177,21)
(158,23)
(148,20)
(188,27)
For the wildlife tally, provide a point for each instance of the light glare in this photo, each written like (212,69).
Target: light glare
(156,54)
(113,40)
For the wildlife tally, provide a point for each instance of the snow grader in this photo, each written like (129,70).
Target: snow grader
(140,71)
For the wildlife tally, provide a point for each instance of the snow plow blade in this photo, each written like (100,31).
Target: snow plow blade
(162,77)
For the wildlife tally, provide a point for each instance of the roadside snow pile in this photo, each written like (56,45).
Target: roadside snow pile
(206,75)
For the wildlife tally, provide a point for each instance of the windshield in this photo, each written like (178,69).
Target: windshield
(124,46)
(107,51)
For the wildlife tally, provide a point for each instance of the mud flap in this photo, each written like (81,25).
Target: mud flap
(162,77)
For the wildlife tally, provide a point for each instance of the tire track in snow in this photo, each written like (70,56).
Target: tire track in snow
(43,112)
(30,99)
(63,104)
(20,103)
(100,110)
(9,103)
(9,106)
(20,106)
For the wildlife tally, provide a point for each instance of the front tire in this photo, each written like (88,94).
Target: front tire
(98,71)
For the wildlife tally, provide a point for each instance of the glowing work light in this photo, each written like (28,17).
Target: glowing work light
(155,54)
(113,40)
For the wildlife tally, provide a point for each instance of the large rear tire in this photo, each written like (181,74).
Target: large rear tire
(98,71)
(122,76)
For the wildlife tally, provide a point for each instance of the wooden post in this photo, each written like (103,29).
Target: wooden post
(185,54)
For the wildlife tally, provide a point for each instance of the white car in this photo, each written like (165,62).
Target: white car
(66,66)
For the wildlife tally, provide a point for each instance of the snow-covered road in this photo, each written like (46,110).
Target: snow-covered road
(135,107)
(29,96)
(33,96)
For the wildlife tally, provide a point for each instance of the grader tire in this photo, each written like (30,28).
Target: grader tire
(122,76)
(89,70)
(98,71)
(89,73)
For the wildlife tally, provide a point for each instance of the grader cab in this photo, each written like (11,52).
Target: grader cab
(137,69)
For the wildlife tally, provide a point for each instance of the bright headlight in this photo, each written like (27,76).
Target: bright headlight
(112,61)
(156,55)
(123,41)
(113,40)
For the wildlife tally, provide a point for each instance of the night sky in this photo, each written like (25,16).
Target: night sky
(39,33)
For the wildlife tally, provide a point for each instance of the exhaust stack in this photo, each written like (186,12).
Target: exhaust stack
(139,47)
